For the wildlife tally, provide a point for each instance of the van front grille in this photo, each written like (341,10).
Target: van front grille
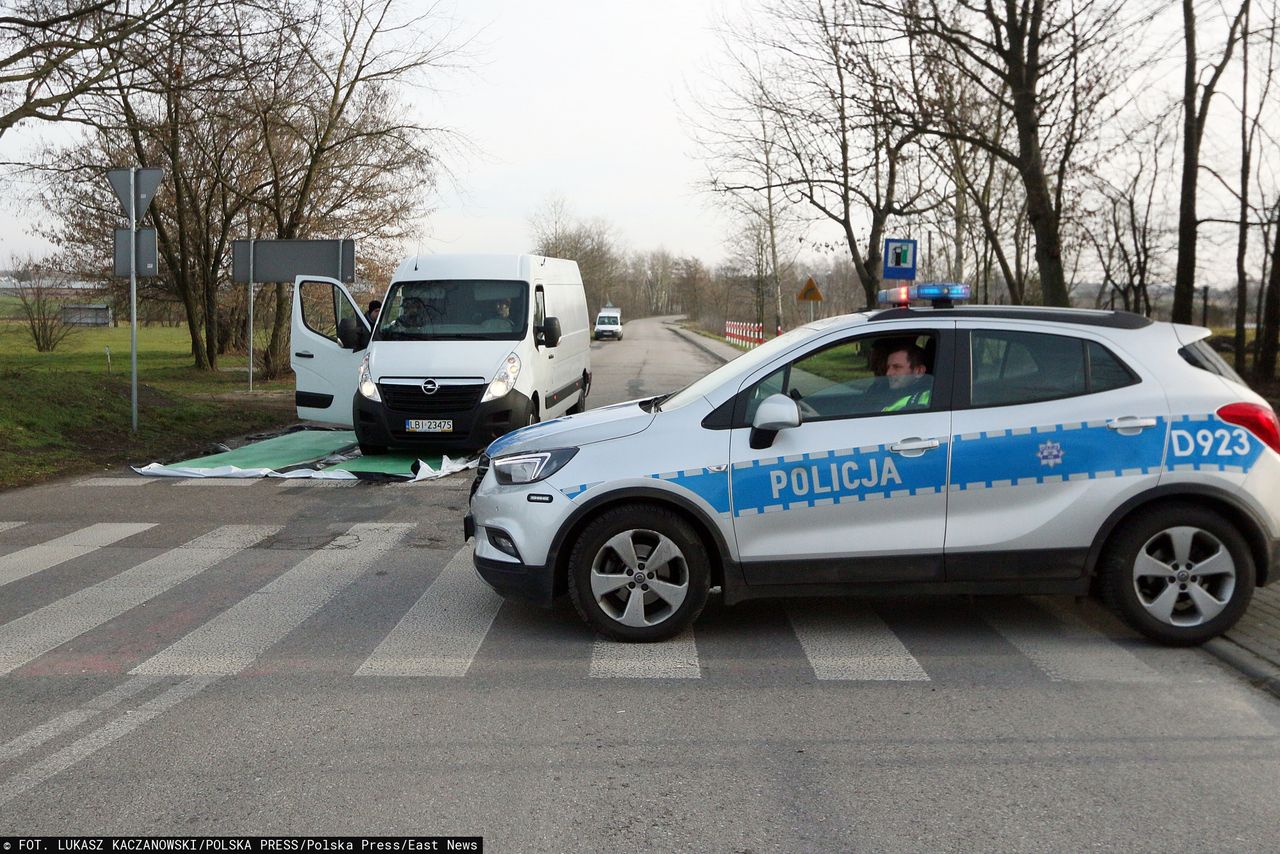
(447,399)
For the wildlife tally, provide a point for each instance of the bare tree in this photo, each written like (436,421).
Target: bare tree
(557,234)
(280,120)
(54,51)
(1049,64)
(1129,243)
(40,305)
(1196,99)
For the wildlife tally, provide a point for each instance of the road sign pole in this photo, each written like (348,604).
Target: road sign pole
(251,311)
(133,294)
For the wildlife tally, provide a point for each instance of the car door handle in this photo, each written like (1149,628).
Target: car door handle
(913,447)
(1130,422)
(305,355)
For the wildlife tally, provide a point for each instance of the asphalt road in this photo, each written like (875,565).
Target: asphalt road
(265,657)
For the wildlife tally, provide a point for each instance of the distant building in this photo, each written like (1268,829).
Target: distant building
(86,315)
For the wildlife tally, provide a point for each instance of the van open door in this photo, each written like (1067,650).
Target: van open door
(328,340)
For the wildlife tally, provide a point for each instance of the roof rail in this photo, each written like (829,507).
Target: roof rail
(1081,316)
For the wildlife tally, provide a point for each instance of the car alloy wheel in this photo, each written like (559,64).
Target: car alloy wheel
(639,573)
(1178,573)
(639,578)
(1184,576)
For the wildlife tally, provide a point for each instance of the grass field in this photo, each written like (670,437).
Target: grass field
(64,412)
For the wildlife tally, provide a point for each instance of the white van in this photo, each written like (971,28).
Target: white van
(465,349)
(609,323)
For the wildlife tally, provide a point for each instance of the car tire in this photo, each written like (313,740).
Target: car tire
(615,547)
(372,450)
(1178,573)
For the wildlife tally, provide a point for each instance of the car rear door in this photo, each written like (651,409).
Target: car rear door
(1053,429)
(324,367)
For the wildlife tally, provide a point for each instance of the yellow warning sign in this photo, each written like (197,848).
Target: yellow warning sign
(810,292)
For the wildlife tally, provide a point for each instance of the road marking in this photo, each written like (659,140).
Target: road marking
(1066,649)
(86,746)
(442,632)
(36,736)
(676,658)
(31,636)
(9,526)
(117,481)
(231,641)
(34,559)
(853,645)
(292,482)
(219,481)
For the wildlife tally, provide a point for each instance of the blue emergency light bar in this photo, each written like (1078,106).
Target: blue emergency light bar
(942,293)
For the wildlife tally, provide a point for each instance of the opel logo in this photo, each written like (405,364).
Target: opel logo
(430,387)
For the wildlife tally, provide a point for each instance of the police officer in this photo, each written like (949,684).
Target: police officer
(909,383)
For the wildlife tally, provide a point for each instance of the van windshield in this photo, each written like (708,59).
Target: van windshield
(454,309)
(607,320)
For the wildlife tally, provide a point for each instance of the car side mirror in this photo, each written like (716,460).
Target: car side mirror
(351,335)
(776,412)
(550,332)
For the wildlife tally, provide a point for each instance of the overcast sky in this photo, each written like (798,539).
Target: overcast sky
(569,98)
(582,101)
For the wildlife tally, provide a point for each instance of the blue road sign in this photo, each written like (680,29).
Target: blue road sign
(899,259)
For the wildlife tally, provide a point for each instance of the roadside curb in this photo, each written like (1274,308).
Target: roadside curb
(1256,669)
(694,340)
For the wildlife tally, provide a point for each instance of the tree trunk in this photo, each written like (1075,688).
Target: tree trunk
(275,360)
(1040,209)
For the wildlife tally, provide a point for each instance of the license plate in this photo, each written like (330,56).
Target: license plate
(433,425)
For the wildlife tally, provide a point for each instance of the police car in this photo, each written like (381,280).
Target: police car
(943,449)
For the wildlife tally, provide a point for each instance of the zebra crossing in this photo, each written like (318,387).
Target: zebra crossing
(441,621)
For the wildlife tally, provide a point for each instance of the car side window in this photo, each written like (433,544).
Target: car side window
(1009,368)
(869,375)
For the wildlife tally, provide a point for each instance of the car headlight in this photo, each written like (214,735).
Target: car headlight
(531,467)
(368,388)
(504,380)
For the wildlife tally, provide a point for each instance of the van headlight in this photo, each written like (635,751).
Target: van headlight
(368,388)
(504,380)
(531,467)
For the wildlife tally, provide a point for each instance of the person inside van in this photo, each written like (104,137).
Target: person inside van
(413,316)
(501,319)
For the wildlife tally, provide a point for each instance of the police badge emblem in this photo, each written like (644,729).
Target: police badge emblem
(1050,454)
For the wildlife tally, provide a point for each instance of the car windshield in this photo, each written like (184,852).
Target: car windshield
(744,364)
(607,320)
(454,309)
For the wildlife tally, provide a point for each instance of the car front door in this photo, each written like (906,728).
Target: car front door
(857,491)
(1052,431)
(329,335)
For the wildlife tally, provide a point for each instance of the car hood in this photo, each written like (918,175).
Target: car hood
(420,360)
(572,431)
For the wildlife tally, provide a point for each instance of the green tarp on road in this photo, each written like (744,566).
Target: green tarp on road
(279,452)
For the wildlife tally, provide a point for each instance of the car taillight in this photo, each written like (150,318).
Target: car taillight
(1257,419)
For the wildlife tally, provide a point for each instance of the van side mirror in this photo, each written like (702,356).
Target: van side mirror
(351,335)
(776,412)
(550,330)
